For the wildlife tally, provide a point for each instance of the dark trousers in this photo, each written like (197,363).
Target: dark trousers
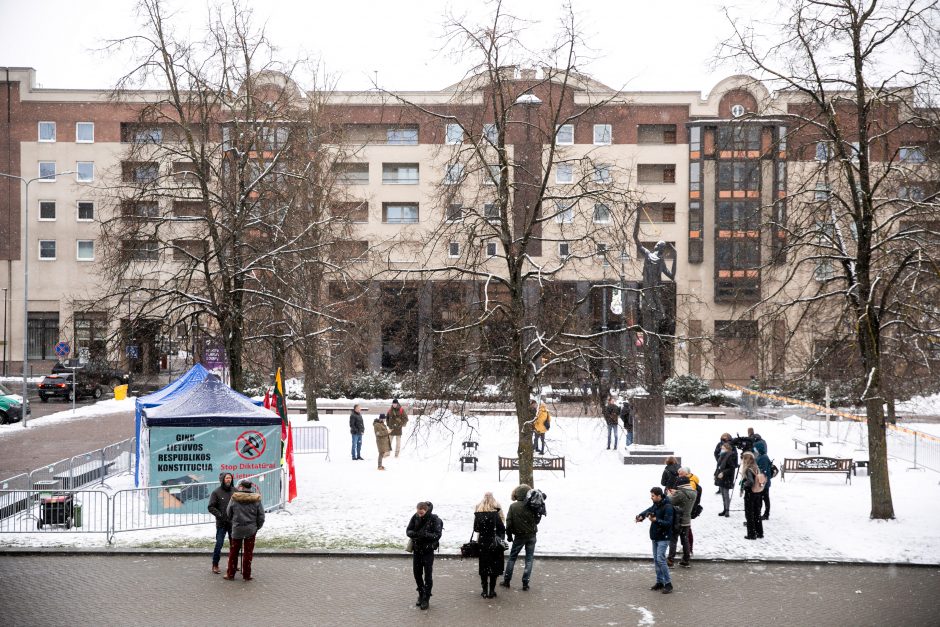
(247,546)
(536,438)
(765,499)
(684,535)
(752,501)
(423,566)
(220,533)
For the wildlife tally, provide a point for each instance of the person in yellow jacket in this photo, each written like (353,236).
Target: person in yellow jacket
(542,421)
(693,481)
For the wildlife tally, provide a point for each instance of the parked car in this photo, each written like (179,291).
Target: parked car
(11,406)
(61,385)
(99,372)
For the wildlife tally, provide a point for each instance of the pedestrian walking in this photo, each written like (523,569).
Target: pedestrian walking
(356,428)
(247,515)
(490,526)
(397,419)
(752,499)
(724,476)
(383,442)
(612,418)
(660,515)
(424,529)
(626,417)
(766,467)
(218,507)
(682,498)
(670,473)
(541,423)
(522,527)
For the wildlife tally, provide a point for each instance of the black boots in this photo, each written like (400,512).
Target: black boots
(492,593)
(504,583)
(485,585)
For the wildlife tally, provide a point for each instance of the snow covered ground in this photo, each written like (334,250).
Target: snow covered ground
(349,505)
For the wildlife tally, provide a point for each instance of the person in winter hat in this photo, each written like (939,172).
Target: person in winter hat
(247,515)
(397,419)
(490,527)
(724,476)
(218,507)
(661,515)
(356,429)
(670,473)
(424,529)
(682,498)
(766,467)
(522,529)
(382,440)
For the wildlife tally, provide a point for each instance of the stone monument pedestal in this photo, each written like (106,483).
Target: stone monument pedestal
(647,454)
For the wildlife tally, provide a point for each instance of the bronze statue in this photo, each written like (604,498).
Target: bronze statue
(653,314)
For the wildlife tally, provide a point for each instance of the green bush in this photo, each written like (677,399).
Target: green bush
(686,388)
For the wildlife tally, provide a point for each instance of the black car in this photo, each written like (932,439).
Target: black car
(61,385)
(98,372)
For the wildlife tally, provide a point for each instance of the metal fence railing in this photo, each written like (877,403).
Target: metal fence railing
(311,439)
(51,511)
(921,449)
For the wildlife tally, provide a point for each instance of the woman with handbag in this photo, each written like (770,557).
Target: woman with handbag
(490,526)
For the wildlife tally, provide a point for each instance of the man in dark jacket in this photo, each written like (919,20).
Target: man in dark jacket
(246,513)
(356,428)
(626,416)
(660,514)
(424,529)
(397,419)
(611,417)
(218,506)
(522,527)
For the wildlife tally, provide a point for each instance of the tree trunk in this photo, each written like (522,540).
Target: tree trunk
(881,503)
(524,422)
(311,385)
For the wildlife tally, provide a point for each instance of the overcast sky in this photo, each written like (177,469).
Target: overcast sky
(638,44)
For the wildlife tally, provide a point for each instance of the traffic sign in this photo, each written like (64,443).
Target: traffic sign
(62,349)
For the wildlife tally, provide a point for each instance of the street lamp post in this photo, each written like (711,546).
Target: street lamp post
(27,183)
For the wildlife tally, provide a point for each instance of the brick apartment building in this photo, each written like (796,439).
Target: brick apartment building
(715,176)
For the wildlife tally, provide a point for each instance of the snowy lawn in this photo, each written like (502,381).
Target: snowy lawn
(350,505)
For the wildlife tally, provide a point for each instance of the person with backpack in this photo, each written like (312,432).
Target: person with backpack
(752,484)
(682,498)
(670,473)
(424,529)
(522,527)
(626,417)
(766,467)
(541,423)
(490,528)
(612,418)
(661,515)
(697,506)
(724,476)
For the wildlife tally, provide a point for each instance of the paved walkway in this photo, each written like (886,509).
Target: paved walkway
(157,589)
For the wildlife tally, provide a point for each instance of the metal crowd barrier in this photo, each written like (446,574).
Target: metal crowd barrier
(311,439)
(52,511)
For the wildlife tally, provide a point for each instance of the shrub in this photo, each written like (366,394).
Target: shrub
(686,388)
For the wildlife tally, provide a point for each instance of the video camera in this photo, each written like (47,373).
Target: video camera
(744,442)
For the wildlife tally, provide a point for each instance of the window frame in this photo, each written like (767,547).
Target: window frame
(403,205)
(602,174)
(567,253)
(39,127)
(562,212)
(397,168)
(78,211)
(609,128)
(561,168)
(491,216)
(451,253)
(48,179)
(449,137)
(453,174)
(55,251)
(561,129)
(449,212)
(401,136)
(486,249)
(906,152)
(84,141)
(491,133)
(492,176)
(78,172)
(78,249)
(824,150)
(54,211)
(606,207)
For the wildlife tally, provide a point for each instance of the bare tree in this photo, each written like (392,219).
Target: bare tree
(856,265)
(530,221)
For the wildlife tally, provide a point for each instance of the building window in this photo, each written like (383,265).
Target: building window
(400,213)
(564,212)
(453,249)
(455,212)
(189,209)
(564,174)
(601,252)
(564,250)
(695,139)
(47,171)
(738,175)
(602,134)
(454,174)
(491,212)
(564,136)
(354,211)
(491,133)
(402,136)
(494,175)
(914,193)
(42,333)
(140,250)
(491,249)
(137,172)
(821,193)
(695,176)
(823,151)
(656,173)
(85,250)
(352,173)
(150,135)
(602,174)
(84,132)
(143,209)
(738,215)
(350,250)
(399,173)
(47,210)
(656,134)
(91,333)
(47,131)
(85,171)
(658,212)
(782,138)
(453,134)
(47,249)
(737,110)
(86,211)
(190,250)
(739,137)
(912,154)
(601,214)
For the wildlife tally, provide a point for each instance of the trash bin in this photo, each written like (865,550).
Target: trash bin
(120,392)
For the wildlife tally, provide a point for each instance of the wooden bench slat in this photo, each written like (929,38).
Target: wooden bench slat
(538,463)
(818,465)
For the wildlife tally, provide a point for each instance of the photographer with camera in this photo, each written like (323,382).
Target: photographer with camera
(661,515)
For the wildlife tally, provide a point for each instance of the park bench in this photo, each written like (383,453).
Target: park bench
(84,474)
(808,444)
(817,465)
(696,413)
(507,464)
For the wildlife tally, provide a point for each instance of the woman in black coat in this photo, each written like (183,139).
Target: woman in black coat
(670,473)
(490,527)
(724,476)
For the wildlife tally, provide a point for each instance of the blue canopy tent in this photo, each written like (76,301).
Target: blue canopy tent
(208,403)
(191,377)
